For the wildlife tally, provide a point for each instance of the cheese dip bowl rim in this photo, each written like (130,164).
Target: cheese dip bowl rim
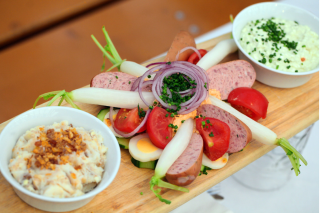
(47,116)
(268,10)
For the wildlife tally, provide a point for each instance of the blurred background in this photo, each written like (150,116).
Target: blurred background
(46,46)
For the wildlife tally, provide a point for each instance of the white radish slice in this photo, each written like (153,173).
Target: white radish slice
(214,56)
(174,148)
(259,132)
(133,68)
(110,97)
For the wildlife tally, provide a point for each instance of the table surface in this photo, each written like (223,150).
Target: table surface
(290,111)
(55,47)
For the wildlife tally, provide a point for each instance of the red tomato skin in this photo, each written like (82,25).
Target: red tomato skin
(250,102)
(157,127)
(194,58)
(128,120)
(220,140)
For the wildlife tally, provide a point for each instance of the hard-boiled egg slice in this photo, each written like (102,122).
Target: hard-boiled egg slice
(142,149)
(217,164)
(107,121)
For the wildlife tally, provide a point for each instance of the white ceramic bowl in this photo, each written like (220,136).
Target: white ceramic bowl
(47,116)
(267,75)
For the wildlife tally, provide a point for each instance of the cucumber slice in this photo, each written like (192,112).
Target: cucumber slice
(103,113)
(146,165)
(123,142)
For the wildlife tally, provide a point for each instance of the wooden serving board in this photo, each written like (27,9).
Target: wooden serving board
(289,112)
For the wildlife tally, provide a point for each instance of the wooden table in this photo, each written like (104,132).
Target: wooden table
(289,112)
(46,45)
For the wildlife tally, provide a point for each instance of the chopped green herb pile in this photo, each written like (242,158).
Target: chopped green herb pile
(175,84)
(270,30)
(141,112)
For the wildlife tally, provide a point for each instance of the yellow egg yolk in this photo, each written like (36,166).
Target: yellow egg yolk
(222,159)
(146,146)
(177,120)
(107,120)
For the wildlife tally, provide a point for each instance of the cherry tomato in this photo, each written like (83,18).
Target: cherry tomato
(216,136)
(250,102)
(157,127)
(194,58)
(128,120)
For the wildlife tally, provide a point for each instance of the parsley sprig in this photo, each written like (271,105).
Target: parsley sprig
(141,112)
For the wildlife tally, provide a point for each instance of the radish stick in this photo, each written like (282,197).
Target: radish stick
(264,135)
(100,96)
(214,56)
(169,155)
(133,68)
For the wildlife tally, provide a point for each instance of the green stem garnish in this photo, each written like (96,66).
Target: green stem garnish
(109,51)
(231,20)
(293,154)
(55,95)
(156,181)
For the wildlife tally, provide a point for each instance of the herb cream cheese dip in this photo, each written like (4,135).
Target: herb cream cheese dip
(58,160)
(281,44)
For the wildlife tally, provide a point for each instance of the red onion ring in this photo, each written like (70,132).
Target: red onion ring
(124,134)
(163,69)
(188,48)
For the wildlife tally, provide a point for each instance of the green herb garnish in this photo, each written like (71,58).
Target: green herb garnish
(141,112)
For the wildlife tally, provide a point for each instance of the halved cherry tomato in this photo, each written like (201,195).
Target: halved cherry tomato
(194,58)
(216,136)
(128,120)
(250,102)
(158,127)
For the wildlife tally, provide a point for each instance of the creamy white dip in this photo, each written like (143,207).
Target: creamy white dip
(281,44)
(67,170)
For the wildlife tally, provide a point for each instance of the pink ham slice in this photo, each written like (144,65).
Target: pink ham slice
(228,76)
(115,80)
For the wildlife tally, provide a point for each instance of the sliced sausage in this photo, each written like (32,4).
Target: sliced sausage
(183,39)
(240,134)
(187,167)
(228,76)
(115,80)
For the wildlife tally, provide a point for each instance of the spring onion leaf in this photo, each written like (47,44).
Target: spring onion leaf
(231,20)
(109,51)
(67,96)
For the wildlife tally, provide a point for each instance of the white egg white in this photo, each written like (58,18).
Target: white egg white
(217,164)
(138,154)
(111,127)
